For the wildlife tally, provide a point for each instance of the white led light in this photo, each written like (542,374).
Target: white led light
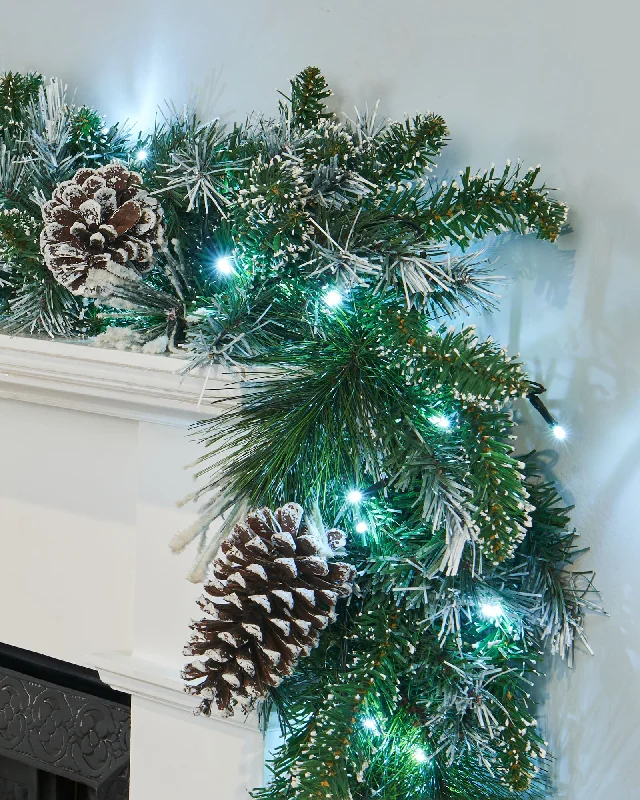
(105,129)
(224,265)
(142,155)
(491,610)
(354,496)
(370,724)
(440,421)
(559,432)
(333,298)
(362,527)
(419,755)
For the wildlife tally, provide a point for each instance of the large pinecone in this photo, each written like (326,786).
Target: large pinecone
(270,594)
(100,228)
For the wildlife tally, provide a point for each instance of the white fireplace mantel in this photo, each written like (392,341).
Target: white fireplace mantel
(111,382)
(94,454)
(159,683)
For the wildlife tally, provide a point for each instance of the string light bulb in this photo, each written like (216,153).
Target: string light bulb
(333,298)
(142,155)
(558,431)
(491,611)
(370,724)
(362,527)
(440,421)
(355,496)
(224,265)
(419,755)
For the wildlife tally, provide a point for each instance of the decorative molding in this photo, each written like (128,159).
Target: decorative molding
(121,384)
(62,731)
(159,683)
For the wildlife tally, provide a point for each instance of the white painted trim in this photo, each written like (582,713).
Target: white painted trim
(122,384)
(158,683)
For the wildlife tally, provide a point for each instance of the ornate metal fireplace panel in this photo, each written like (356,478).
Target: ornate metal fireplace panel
(58,743)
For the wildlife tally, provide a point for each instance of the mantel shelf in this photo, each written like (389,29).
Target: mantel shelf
(121,384)
(158,683)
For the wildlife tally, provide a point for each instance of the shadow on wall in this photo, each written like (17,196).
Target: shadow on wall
(604,390)
(548,265)
(581,335)
(576,700)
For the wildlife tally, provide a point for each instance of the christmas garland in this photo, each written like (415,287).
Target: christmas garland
(399,647)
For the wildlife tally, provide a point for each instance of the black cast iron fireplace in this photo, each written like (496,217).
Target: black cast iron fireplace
(64,734)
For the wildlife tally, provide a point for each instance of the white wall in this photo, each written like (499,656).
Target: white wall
(68,486)
(552,80)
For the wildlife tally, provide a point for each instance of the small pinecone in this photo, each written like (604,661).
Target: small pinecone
(270,593)
(100,228)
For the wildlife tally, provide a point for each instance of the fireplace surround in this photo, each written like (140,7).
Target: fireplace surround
(94,448)
(64,734)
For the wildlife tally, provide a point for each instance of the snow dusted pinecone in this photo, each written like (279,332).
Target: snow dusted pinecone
(100,228)
(270,593)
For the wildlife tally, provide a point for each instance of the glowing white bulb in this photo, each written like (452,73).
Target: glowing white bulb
(333,298)
(559,432)
(224,265)
(142,155)
(491,610)
(419,755)
(370,724)
(362,527)
(440,421)
(354,496)
(106,129)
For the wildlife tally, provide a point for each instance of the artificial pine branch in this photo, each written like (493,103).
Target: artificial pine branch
(548,555)
(17,92)
(93,142)
(309,90)
(407,150)
(384,426)
(502,501)
(39,305)
(318,757)
(492,202)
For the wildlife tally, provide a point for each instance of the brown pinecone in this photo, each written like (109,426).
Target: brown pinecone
(270,594)
(100,228)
